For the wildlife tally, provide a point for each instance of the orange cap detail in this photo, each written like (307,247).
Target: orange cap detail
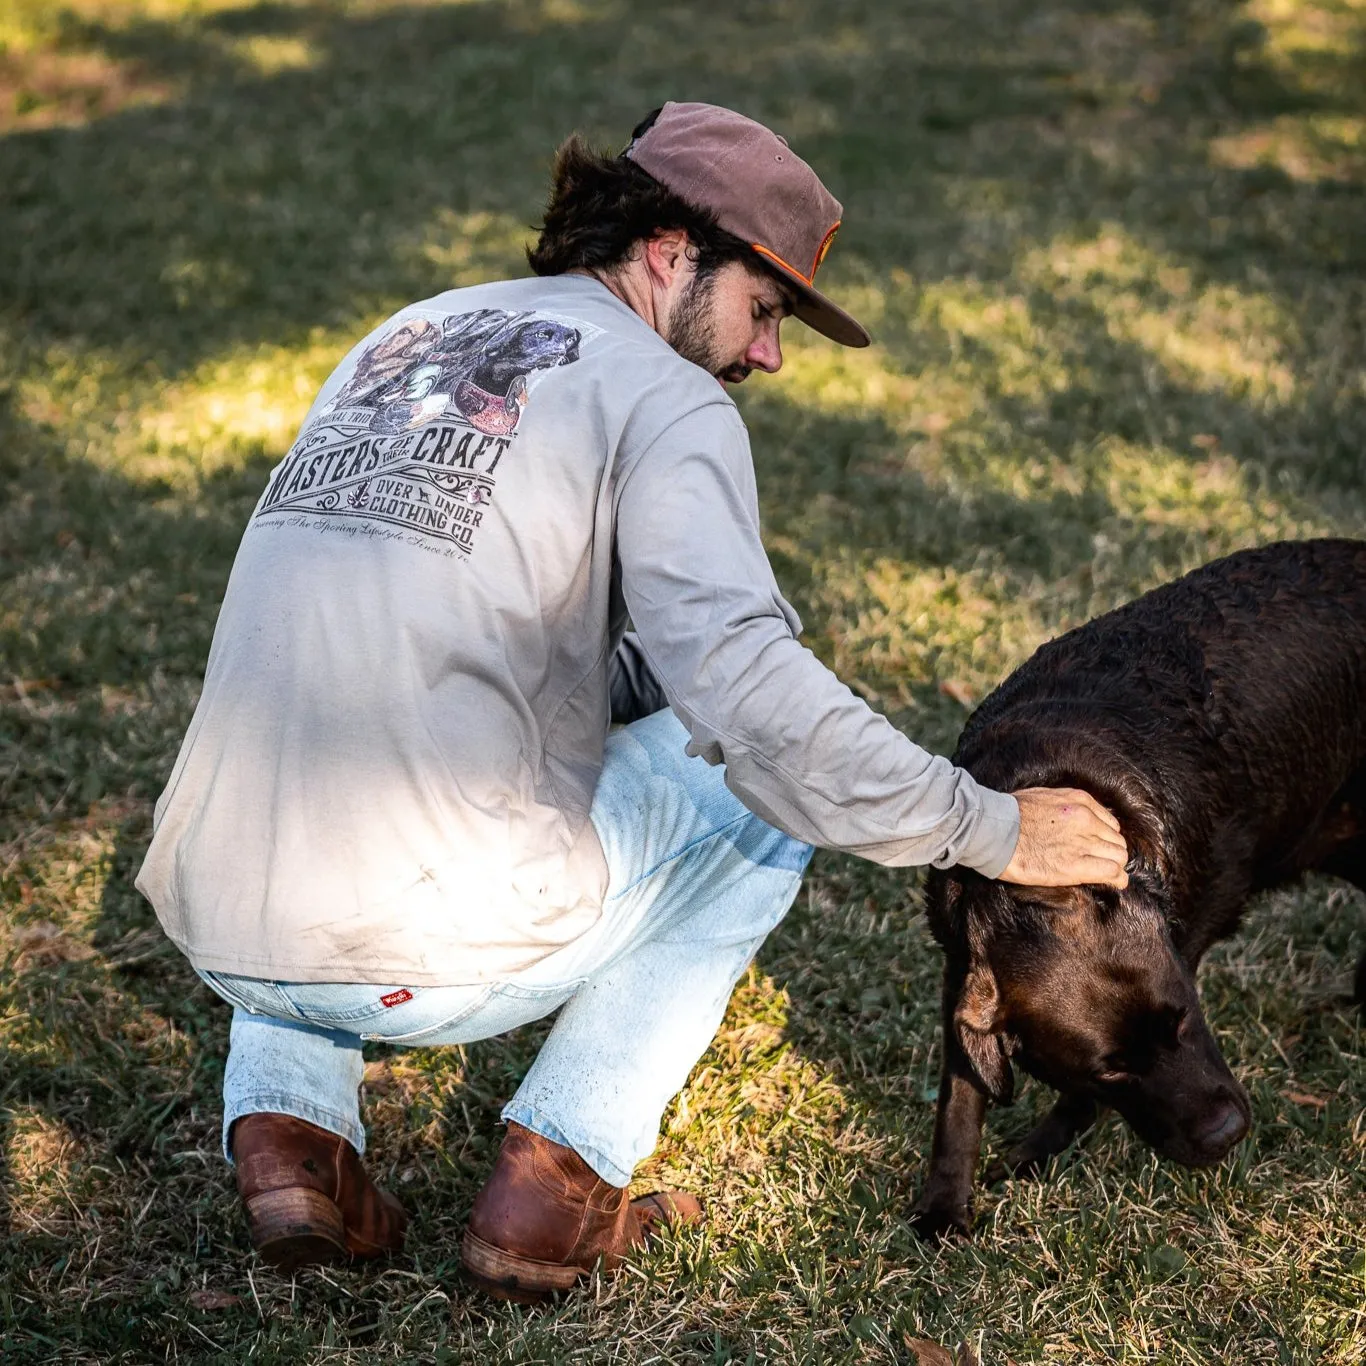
(821,252)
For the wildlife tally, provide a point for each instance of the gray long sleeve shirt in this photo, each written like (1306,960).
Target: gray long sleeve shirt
(389,772)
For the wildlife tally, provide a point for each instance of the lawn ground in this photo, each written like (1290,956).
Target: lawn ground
(1114,254)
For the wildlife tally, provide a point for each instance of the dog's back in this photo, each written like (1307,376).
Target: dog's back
(1232,702)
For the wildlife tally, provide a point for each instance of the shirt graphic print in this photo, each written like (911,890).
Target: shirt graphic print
(414,437)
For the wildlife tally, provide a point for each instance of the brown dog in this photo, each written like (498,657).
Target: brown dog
(1222,718)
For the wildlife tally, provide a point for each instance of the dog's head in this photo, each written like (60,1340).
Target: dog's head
(523,346)
(1083,988)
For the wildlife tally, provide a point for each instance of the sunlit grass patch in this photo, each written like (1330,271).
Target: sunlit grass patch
(915,626)
(242,407)
(1305,148)
(111,414)
(68,89)
(826,381)
(1219,337)
(1316,45)
(1204,491)
(110,408)
(466,249)
(1316,51)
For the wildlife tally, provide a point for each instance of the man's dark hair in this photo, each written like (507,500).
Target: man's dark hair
(600,206)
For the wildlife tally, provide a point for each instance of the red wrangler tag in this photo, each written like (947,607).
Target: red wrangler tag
(396,998)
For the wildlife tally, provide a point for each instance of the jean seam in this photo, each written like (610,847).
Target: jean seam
(214,982)
(292,1012)
(686,849)
(516,991)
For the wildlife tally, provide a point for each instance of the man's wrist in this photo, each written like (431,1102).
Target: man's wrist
(992,844)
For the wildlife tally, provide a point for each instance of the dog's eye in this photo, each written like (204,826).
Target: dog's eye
(1112,1069)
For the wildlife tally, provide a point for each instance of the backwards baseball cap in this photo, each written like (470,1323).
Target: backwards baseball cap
(759,190)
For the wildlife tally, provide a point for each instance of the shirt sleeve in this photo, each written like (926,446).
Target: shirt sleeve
(799,748)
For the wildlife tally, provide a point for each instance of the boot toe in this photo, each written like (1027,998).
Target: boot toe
(666,1210)
(546,1220)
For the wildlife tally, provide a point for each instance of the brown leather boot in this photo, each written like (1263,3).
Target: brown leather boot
(308,1198)
(546,1219)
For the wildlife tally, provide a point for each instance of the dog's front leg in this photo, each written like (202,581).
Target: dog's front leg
(944,1208)
(1070,1117)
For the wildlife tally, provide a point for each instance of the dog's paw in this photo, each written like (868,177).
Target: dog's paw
(996,1172)
(936,1220)
(1018,1165)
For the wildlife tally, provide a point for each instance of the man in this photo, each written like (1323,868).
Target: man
(399,814)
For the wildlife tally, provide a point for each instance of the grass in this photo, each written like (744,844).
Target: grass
(1114,257)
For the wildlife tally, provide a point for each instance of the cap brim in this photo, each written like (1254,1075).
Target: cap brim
(817,312)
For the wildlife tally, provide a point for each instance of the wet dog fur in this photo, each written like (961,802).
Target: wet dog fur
(1222,718)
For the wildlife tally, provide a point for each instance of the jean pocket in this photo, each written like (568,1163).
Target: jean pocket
(441,1014)
(251,994)
(499,1008)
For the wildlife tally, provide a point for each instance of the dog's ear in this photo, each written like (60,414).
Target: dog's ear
(1055,898)
(1071,910)
(978,1022)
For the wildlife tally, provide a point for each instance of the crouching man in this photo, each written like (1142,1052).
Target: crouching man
(399,814)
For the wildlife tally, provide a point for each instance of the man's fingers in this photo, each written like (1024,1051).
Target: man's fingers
(1091,807)
(1103,813)
(1111,839)
(1084,823)
(1081,873)
(1078,872)
(1108,817)
(1111,874)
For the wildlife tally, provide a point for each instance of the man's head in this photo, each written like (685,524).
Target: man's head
(696,226)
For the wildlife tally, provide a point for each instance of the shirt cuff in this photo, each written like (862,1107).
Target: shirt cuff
(991,845)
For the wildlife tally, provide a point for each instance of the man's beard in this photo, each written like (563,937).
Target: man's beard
(692,331)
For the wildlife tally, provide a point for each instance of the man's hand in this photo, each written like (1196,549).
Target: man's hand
(1066,838)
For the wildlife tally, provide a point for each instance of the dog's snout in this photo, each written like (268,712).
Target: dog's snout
(1225,1127)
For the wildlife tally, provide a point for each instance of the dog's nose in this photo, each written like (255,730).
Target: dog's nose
(1225,1127)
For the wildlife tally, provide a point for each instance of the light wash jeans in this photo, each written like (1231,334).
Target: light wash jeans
(695,884)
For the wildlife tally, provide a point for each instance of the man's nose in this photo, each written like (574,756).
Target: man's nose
(765,352)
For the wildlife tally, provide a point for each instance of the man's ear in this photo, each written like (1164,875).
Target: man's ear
(978,1021)
(666,255)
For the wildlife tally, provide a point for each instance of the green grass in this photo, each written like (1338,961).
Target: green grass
(1115,258)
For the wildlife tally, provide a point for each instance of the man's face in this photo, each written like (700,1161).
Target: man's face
(727,321)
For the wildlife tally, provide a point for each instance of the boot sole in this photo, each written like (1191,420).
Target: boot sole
(508,1277)
(296,1227)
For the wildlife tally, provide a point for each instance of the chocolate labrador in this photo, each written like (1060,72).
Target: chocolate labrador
(1222,718)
